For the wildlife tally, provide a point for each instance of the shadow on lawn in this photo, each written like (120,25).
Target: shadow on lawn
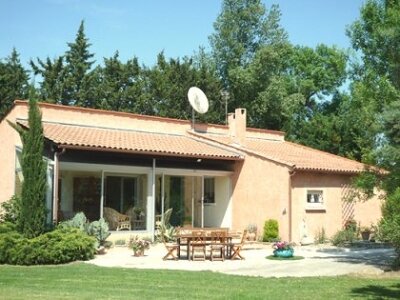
(378,292)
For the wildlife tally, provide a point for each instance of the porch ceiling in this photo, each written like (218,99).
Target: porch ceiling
(117,140)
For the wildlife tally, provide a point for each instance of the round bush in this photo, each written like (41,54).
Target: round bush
(271,231)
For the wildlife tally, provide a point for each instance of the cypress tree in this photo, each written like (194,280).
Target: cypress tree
(32,218)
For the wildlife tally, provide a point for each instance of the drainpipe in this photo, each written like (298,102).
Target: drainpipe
(57,154)
(292,172)
(102,194)
(153,200)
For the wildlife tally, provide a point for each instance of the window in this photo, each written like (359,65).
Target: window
(315,199)
(19,177)
(121,193)
(209,194)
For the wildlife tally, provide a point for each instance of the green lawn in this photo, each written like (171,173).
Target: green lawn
(82,281)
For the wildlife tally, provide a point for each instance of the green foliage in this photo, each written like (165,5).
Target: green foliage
(344,236)
(137,243)
(120,242)
(59,246)
(320,237)
(347,235)
(376,35)
(53,73)
(10,210)
(271,231)
(100,230)
(78,221)
(6,227)
(13,81)
(242,27)
(165,232)
(32,218)
(67,79)
(389,226)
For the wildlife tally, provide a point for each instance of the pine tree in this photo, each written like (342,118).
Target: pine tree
(78,65)
(53,75)
(33,210)
(13,81)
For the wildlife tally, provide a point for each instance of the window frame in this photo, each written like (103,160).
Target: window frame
(209,200)
(320,204)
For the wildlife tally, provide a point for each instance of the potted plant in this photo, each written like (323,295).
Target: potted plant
(251,232)
(283,249)
(138,212)
(365,233)
(138,245)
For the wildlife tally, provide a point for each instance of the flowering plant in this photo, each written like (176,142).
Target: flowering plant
(282,246)
(139,244)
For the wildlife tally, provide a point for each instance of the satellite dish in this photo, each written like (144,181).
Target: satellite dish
(198,100)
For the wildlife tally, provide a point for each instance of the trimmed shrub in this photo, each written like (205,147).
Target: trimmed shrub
(7,227)
(342,237)
(62,245)
(271,231)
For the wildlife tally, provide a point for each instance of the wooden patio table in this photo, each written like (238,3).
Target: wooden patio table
(185,239)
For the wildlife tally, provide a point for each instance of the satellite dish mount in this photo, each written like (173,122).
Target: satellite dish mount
(199,102)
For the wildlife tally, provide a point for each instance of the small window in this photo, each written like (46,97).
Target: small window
(19,177)
(315,197)
(209,194)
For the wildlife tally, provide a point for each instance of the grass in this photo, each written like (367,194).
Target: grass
(82,281)
(272,257)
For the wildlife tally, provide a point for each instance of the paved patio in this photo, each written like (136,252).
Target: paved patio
(319,261)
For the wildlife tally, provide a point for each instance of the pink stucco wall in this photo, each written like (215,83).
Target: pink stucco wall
(9,139)
(336,211)
(260,192)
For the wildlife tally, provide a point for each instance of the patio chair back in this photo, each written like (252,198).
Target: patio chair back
(218,244)
(198,245)
(236,248)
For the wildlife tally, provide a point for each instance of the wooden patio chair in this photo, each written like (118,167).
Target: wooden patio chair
(236,248)
(198,245)
(172,250)
(218,245)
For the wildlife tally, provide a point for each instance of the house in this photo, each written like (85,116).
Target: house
(210,175)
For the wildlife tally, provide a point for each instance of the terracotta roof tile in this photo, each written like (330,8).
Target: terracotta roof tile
(133,141)
(304,158)
(293,155)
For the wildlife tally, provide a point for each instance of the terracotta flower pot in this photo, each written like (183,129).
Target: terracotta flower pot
(251,236)
(365,235)
(139,252)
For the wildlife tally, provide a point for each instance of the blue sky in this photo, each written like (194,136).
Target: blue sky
(143,28)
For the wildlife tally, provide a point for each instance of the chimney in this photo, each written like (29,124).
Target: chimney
(237,126)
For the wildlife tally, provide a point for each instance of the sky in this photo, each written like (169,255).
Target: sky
(144,28)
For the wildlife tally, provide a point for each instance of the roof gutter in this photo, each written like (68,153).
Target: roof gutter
(153,153)
(292,172)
